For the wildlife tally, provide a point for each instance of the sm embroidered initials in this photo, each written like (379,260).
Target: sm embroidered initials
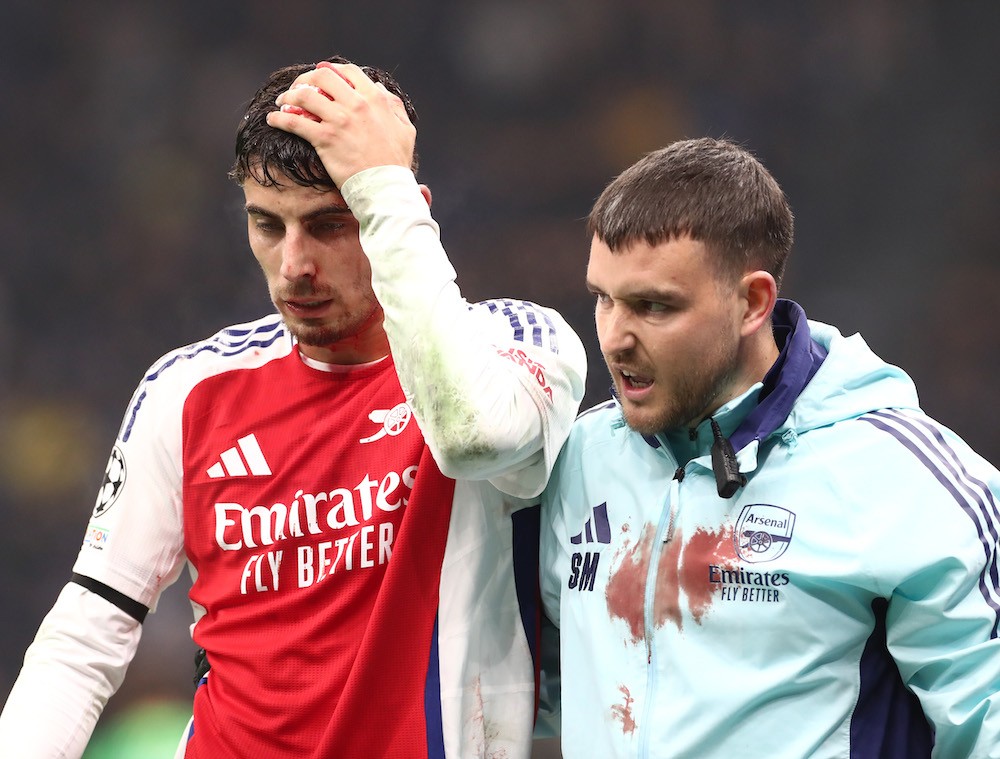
(583,564)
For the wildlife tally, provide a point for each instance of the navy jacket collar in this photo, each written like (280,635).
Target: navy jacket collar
(799,359)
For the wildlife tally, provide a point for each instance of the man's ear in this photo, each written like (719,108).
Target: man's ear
(760,293)
(426,192)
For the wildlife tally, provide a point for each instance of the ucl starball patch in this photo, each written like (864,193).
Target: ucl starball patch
(763,532)
(114,481)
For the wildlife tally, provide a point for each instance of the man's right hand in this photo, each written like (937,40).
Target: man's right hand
(353,123)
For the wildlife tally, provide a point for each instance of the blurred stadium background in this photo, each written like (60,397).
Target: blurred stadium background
(122,237)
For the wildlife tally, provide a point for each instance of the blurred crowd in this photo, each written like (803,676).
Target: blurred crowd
(122,237)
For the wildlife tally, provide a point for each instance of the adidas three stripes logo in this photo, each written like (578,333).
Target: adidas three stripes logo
(597,529)
(242,459)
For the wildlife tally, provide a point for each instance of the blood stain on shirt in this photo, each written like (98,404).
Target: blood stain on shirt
(623,712)
(683,565)
(705,548)
(626,585)
(667,598)
(487,732)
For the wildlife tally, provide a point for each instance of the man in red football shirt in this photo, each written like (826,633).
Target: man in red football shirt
(351,481)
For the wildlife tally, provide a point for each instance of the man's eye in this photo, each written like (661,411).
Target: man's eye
(652,306)
(267,227)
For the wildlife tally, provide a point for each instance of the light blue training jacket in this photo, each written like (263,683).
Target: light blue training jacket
(842,602)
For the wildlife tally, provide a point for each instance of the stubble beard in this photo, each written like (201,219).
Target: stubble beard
(321,333)
(691,398)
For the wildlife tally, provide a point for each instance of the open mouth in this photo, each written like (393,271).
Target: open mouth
(635,381)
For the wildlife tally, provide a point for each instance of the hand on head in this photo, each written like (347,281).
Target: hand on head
(353,123)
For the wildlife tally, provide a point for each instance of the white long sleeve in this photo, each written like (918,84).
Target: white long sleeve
(76,662)
(496,385)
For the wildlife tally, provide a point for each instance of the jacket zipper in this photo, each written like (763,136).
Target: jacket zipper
(664,534)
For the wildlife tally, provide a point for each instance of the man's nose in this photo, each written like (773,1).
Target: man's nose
(615,331)
(298,259)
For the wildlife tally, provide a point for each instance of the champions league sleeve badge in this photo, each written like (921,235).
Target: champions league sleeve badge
(114,481)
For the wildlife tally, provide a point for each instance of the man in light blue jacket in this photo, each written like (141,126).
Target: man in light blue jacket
(761,546)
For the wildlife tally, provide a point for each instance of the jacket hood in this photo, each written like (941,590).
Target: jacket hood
(849,382)
(819,378)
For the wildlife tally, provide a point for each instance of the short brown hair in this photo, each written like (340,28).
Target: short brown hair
(711,190)
(267,153)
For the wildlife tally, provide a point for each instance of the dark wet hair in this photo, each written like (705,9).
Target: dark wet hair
(270,154)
